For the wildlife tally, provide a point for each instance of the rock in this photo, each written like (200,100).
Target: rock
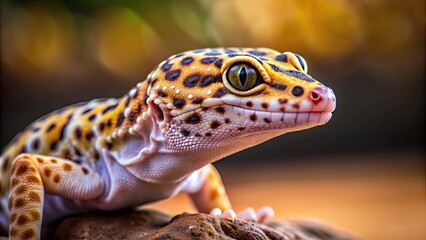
(151,224)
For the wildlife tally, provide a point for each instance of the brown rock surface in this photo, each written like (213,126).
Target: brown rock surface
(151,224)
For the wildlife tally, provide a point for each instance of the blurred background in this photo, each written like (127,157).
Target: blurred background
(364,171)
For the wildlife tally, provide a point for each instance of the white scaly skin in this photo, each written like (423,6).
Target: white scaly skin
(159,139)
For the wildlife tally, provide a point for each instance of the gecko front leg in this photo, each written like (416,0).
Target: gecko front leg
(212,198)
(34,176)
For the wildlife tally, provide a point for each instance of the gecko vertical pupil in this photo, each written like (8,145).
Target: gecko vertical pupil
(243,76)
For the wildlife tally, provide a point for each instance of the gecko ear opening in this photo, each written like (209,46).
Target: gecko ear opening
(159,114)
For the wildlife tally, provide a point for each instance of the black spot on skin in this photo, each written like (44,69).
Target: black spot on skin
(78,132)
(85,171)
(297,91)
(208,134)
(53,145)
(92,117)
(299,75)
(241,128)
(120,119)
(197,100)
(101,127)
(173,75)
(220,110)
(89,135)
(127,101)
(96,156)
(229,51)
(267,120)
(187,60)
(64,127)
(178,103)
(253,117)
(192,80)
(292,73)
(36,129)
(220,93)
(109,145)
(86,111)
(218,63)
(249,104)
(51,127)
(132,117)
(278,86)
(166,66)
(281,58)
(185,132)
(199,51)
(212,54)
(138,109)
(215,124)
(227,121)
(265,105)
(177,55)
(193,119)
(109,122)
(257,53)
(36,144)
(135,95)
(208,60)
(161,93)
(5,162)
(206,81)
(109,108)
(154,82)
(197,135)
(276,68)
(282,101)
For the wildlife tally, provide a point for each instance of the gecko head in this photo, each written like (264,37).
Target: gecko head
(214,97)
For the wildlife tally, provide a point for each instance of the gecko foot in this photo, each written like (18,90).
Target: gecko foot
(227,214)
(249,214)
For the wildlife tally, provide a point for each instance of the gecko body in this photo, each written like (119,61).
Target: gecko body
(159,139)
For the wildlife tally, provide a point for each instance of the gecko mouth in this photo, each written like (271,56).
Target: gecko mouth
(290,119)
(275,116)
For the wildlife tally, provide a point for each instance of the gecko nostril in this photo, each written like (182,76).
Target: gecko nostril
(314,96)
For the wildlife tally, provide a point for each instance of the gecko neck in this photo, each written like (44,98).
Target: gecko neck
(167,166)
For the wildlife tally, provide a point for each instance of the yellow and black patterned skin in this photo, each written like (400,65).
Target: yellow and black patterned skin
(193,109)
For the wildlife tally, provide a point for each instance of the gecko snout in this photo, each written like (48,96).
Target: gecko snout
(323,99)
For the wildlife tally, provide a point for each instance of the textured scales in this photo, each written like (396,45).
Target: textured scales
(159,139)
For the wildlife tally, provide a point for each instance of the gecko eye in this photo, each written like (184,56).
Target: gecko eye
(302,63)
(243,76)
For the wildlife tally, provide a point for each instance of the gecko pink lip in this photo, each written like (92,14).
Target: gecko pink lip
(288,118)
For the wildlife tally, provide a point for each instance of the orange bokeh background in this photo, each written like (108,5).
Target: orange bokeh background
(364,171)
